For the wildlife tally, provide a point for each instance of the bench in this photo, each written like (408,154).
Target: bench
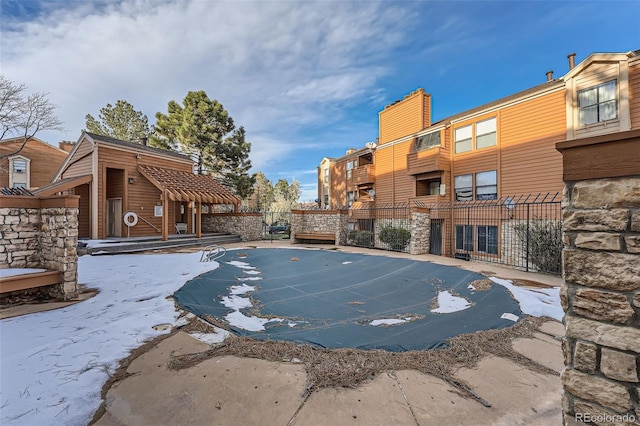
(181,228)
(318,236)
(28,280)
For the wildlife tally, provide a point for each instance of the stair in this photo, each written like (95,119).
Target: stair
(123,246)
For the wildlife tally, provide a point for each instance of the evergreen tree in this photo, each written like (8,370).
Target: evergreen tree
(202,128)
(120,121)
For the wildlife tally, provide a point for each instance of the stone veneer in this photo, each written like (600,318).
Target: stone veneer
(420,231)
(247,225)
(320,221)
(601,298)
(42,234)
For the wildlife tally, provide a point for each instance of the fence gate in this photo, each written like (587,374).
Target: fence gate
(435,237)
(519,231)
(276,224)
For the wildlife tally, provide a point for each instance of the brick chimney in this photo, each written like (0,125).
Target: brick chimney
(572,60)
(549,75)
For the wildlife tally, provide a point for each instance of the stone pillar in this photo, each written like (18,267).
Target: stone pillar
(420,231)
(601,289)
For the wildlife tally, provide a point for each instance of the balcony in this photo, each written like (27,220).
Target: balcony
(362,175)
(429,160)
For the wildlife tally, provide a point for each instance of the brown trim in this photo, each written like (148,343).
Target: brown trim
(618,136)
(325,212)
(29,280)
(62,185)
(606,156)
(24,202)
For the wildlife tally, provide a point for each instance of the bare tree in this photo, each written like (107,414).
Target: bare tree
(22,115)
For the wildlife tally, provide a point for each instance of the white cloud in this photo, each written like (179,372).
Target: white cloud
(277,67)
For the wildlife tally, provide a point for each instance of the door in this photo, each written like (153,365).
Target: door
(435,237)
(114,217)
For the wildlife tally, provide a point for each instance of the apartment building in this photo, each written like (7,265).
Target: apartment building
(32,166)
(496,151)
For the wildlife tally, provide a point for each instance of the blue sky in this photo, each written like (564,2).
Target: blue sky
(305,78)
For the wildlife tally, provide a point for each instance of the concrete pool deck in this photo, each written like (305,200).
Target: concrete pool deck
(229,390)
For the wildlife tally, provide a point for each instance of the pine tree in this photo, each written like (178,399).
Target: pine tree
(120,121)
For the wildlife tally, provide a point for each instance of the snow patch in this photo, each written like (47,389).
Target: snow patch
(242,289)
(539,302)
(448,303)
(241,265)
(390,321)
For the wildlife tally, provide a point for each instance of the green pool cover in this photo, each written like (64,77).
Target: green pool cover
(333,299)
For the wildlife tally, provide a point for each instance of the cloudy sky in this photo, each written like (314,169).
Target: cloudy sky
(305,78)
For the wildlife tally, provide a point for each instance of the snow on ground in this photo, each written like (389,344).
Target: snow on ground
(539,302)
(54,363)
(389,321)
(448,303)
(236,302)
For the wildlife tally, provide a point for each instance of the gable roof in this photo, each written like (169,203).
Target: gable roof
(20,139)
(185,186)
(136,146)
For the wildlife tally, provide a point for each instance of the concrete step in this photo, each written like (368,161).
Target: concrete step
(122,247)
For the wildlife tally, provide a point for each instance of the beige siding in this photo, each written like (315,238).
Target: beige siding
(81,162)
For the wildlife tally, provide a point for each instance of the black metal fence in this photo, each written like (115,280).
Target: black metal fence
(385,227)
(522,231)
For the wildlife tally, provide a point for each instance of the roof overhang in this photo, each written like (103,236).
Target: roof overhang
(62,185)
(184,186)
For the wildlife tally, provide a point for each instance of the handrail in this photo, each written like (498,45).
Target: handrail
(149,223)
(212,252)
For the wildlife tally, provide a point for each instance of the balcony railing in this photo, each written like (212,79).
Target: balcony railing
(362,174)
(429,160)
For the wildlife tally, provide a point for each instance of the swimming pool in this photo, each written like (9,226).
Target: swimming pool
(333,299)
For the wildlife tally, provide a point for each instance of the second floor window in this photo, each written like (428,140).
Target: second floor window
(598,103)
(487,185)
(463,186)
(475,136)
(19,165)
(326,175)
(486,133)
(464,139)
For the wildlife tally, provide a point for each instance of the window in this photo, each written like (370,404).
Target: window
(19,165)
(486,185)
(486,133)
(463,186)
(464,237)
(427,187)
(487,239)
(350,166)
(326,201)
(427,141)
(157,211)
(19,185)
(463,138)
(326,175)
(598,103)
(351,197)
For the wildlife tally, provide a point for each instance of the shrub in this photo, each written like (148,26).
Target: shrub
(361,238)
(545,243)
(397,238)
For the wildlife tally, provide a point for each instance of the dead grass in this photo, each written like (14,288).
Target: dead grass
(481,285)
(350,367)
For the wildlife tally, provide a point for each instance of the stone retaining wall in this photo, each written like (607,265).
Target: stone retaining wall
(247,225)
(41,233)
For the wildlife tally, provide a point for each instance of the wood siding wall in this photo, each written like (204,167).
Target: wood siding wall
(81,162)
(407,116)
(45,161)
(141,196)
(393,183)
(84,219)
(527,134)
(634,95)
